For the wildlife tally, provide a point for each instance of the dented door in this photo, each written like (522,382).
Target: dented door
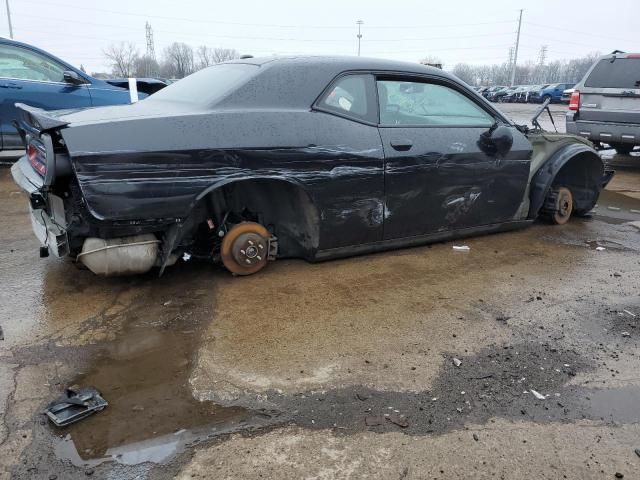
(437,177)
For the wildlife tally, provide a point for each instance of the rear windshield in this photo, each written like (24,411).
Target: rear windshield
(208,85)
(622,73)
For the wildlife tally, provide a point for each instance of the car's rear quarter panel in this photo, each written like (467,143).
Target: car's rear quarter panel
(338,162)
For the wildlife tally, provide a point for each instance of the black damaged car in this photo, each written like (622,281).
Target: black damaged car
(312,157)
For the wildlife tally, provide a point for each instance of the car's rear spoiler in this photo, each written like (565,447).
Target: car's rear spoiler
(34,118)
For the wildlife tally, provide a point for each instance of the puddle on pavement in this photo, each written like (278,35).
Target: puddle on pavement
(144,374)
(617,208)
(615,405)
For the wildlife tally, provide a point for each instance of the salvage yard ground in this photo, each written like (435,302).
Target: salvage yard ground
(342,369)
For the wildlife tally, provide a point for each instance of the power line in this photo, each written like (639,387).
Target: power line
(284,39)
(590,34)
(208,21)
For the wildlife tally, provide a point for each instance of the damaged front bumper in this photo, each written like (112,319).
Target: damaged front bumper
(46,210)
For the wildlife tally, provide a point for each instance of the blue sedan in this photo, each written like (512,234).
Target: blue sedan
(34,77)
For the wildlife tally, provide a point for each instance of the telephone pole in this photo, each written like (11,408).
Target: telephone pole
(9,19)
(515,54)
(359,23)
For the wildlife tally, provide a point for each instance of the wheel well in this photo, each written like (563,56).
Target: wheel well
(582,174)
(283,207)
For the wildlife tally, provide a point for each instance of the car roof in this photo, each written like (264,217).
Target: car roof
(339,64)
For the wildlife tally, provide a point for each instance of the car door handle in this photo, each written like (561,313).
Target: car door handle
(402,144)
(10,85)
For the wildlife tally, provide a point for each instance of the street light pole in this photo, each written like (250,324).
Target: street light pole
(9,19)
(359,23)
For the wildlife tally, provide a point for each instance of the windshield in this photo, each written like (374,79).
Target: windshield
(621,73)
(207,86)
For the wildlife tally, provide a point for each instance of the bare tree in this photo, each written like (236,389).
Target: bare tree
(178,60)
(123,58)
(224,54)
(529,73)
(146,66)
(208,56)
(432,60)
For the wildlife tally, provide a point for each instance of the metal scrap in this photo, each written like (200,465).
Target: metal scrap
(76,404)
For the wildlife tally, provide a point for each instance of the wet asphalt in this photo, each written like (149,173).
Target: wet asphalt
(208,372)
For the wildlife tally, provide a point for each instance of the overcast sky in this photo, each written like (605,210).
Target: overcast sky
(453,30)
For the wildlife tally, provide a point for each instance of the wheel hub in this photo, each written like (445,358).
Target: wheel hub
(249,249)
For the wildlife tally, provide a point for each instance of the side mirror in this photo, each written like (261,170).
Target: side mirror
(502,140)
(73,78)
(498,140)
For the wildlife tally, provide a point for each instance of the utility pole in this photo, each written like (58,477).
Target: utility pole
(151,50)
(9,19)
(359,23)
(515,55)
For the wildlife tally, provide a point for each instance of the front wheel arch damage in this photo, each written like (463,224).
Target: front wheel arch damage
(582,174)
(283,208)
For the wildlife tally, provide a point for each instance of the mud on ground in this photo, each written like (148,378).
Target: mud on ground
(346,369)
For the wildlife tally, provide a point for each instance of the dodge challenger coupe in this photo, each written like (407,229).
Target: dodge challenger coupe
(310,157)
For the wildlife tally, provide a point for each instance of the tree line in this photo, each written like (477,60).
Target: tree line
(530,73)
(176,61)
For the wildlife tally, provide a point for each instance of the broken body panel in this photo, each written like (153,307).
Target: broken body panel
(325,185)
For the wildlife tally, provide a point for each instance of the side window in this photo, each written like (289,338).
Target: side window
(416,103)
(348,96)
(23,64)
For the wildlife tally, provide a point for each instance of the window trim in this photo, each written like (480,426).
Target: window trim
(432,79)
(48,58)
(373,118)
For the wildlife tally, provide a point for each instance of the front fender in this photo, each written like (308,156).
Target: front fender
(544,178)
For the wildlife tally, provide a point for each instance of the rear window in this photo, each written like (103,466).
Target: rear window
(622,73)
(208,85)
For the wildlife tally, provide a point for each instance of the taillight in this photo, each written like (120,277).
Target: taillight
(574,102)
(36,159)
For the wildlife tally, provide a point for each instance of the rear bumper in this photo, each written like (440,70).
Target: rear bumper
(47,211)
(604,131)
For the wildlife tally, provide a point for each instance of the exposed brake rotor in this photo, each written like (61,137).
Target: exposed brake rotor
(246,248)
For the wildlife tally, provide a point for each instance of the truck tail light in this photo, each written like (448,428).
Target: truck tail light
(37,159)
(574,102)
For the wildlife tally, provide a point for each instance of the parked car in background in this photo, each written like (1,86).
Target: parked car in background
(515,95)
(310,157)
(498,94)
(526,95)
(605,105)
(551,92)
(32,76)
(491,90)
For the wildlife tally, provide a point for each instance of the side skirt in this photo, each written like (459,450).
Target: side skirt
(415,241)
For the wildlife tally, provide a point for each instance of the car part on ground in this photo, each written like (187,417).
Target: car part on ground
(348,157)
(76,404)
(605,104)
